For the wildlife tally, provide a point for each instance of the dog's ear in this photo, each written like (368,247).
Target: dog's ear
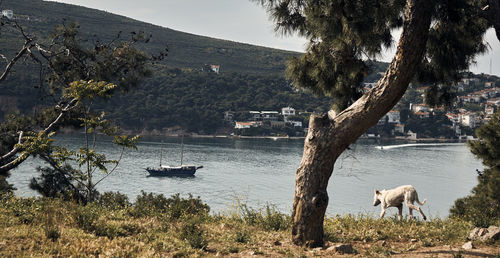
(377,192)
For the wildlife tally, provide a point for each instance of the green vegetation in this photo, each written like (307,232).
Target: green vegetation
(482,207)
(75,76)
(196,100)
(158,226)
(179,94)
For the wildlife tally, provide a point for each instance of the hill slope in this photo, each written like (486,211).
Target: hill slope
(185,50)
(251,77)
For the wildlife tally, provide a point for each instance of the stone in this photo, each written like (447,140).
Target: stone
(493,233)
(413,240)
(468,246)
(342,248)
(484,234)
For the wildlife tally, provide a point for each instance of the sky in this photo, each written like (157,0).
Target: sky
(238,20)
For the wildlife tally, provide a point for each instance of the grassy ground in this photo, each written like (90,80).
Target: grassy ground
(180,227)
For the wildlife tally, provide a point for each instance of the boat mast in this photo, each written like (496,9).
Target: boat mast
(182,147)
(161,151)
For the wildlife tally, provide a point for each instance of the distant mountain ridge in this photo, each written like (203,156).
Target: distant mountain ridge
(185,50)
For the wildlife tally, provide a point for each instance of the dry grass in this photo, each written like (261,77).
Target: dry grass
(51,227)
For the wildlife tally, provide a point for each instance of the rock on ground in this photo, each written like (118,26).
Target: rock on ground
(342,248)
(483,234)
(468,246)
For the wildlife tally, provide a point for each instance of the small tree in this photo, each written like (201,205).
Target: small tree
(86,158)
(482,207)
(77,75)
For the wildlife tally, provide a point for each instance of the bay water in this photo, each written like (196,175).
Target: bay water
(258,172)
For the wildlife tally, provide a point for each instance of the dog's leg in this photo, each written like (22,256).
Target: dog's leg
(421,213)
(382,213)
(400,211)
(411,206)
(411,213)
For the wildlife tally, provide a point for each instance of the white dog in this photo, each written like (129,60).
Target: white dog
(395,198)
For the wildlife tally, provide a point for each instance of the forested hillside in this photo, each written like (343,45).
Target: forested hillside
(178,94)
(185,50)
(196,100)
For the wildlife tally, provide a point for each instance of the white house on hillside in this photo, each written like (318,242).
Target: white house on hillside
(419,108)
(246,125)
(9,14)
(468,119)
(286,112)
(392,116)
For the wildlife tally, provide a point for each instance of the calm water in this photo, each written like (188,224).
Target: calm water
(260,171)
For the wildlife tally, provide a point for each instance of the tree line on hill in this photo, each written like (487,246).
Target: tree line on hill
(196,100)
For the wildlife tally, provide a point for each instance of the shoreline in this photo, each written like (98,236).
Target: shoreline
(66,131)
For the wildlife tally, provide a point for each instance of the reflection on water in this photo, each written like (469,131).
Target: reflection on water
(261,171)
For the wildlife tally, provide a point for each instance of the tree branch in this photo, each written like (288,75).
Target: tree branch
(24,49)
(17,161)
(366,112)
(14,150)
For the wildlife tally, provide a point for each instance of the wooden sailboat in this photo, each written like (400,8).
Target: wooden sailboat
(181,170)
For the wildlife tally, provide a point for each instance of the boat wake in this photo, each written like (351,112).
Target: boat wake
(388,147)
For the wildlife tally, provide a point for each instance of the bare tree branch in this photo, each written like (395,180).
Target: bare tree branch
(8,67)
(14,150)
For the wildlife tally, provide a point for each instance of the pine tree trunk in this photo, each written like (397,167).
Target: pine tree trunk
(329,135)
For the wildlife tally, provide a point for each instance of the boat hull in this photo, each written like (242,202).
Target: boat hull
(182,171)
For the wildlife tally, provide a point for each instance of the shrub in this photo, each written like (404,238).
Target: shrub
(174,207)
(482,207)
(115,201)
(86,217)
(149,204)
(270,219)
(193,233)
(179,207)
(25,209)
(274,220)
(242,236)
(52,233)
(475,208)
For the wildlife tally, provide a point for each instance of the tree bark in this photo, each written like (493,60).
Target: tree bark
(330,134)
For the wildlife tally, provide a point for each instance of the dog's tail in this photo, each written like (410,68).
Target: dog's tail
(418,201)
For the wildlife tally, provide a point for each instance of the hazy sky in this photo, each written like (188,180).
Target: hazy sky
(236,20)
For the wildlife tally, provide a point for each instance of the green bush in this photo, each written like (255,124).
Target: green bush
(149,204)
(193,233)
(174,207)
(274,220)
(86,217)
(26,210)
(242,236)
(52,233)
(179,207)
(115,201)
(482,207)
(269,219)
(475,208)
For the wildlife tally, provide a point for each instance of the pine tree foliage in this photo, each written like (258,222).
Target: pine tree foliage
(345,35)
(341,34)
(482,207)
